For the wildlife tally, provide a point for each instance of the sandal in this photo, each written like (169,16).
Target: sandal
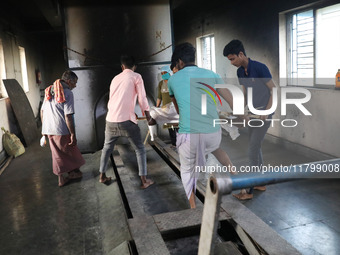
(260,188)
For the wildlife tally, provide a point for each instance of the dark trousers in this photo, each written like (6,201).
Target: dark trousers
(113,131)
(256,137)
(173,133)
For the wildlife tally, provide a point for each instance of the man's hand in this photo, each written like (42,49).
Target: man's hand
(241,119)
(263,117)
(151,121)
(70,126)
(158,103)
(73,140)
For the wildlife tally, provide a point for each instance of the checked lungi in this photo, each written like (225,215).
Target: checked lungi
(65,158)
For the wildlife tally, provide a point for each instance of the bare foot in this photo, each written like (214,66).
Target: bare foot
(147,183)
(105,180)
(243,196)
(261,188)
(62,180)
(192,201)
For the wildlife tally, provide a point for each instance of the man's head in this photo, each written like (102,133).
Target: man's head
(70,78)
(173,68)
(235,52)
(128,62)
(183,55)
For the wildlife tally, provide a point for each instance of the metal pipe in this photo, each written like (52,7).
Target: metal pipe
(217,187)
(247,182)
(320,169)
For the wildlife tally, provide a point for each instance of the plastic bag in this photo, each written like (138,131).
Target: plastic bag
(43,141)
(12,144)
(153,131)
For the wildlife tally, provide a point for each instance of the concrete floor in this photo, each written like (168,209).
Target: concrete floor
(86,217)
(38,217)
(306,213)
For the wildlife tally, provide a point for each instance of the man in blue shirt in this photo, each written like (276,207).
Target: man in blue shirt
(255,75)
(197,135)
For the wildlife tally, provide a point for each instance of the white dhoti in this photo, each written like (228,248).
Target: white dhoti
(192,150)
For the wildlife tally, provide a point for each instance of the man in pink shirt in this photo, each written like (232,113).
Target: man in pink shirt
(121,119)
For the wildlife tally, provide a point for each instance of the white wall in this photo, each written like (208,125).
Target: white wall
(258,27)
(11,42)
(318,131)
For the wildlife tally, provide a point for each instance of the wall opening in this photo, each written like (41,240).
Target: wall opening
(3,92)
(23,69)
(206,52)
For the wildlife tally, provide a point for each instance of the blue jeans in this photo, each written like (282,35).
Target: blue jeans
(113,131)
(256,137)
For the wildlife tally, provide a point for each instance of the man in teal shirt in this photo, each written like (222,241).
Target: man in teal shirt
(193,94)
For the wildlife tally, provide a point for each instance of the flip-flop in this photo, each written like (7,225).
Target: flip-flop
(260,188)
(106,181)
(243,196)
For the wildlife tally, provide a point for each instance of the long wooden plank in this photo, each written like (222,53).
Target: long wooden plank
(22,110)
(209,220)
(249,227)
(167,151)
(6,164)
(258,230)
(226,248)
(147,237)
(188,218)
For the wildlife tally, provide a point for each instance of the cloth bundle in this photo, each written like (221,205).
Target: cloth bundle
(12,144)
(166,113)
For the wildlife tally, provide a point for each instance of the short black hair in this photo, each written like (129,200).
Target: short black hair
(127,61)
(185,52)
(69,75)
(172,66)
(234,47)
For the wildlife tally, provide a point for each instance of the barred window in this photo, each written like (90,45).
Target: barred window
(313,39)
(206,52)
